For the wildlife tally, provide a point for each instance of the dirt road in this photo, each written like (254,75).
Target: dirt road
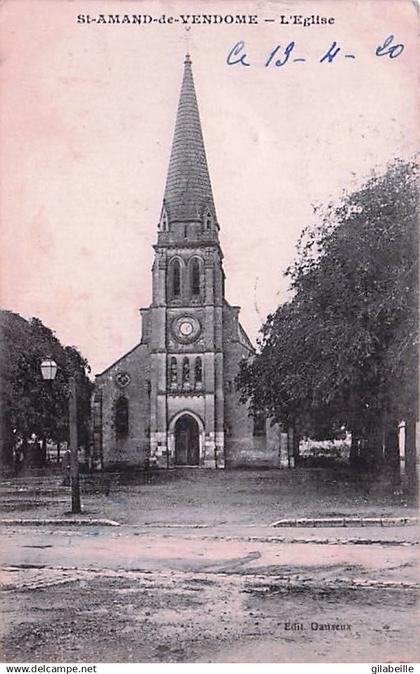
(209,594)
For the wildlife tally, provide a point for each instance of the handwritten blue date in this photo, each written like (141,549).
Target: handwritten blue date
(279,56)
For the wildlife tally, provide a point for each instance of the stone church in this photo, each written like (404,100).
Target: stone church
(171,401)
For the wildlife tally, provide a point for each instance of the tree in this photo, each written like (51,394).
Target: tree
(344,349)
(31,406)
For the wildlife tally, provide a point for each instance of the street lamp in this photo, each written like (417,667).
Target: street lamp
(48,371)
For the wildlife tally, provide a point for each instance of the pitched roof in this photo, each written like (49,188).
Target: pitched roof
(188,192)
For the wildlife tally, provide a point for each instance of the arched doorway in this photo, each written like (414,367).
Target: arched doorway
(187,441)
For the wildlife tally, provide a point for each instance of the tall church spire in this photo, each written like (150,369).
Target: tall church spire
(188,194)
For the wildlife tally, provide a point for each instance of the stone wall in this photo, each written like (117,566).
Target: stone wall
(132,449)
(242,447)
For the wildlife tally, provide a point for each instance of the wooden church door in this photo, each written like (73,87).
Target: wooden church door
(187,449)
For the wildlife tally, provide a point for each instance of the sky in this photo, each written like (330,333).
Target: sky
(87,114)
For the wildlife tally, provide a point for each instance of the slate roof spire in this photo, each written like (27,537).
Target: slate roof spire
(188,194)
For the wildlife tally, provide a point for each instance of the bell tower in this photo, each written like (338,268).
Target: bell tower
(186,314)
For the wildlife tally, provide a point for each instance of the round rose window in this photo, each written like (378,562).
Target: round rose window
(123,379)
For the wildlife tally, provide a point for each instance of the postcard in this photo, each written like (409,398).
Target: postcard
(209,333)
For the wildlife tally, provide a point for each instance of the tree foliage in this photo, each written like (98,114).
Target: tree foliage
(31,406)
(343,350)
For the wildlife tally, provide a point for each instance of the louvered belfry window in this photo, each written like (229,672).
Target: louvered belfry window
(195,277)
(176,279)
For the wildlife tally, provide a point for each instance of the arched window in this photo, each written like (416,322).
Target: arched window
(186,372)
(121,417)
(176,279)
(198,370)
(195,277)
(173,372)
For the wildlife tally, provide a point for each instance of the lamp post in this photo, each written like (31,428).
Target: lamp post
(48,371)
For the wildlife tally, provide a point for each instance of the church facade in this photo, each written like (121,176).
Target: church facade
(171,401)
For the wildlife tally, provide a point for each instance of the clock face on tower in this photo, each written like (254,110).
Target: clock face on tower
(186,329)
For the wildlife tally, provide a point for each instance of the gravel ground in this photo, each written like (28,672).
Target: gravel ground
(216,497)
(196,574)
(193,617)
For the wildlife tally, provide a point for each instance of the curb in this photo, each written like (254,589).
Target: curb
(296,583)
(347,522)
(60,522)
